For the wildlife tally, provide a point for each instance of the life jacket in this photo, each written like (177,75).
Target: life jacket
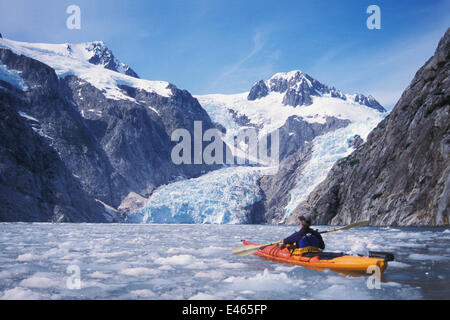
(309,240)
(299,252)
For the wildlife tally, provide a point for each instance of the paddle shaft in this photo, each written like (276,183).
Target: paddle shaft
(242,251)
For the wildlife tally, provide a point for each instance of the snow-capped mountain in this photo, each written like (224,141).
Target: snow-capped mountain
(299,88)
(312,135)
(270,103)
(111,130)
(92,62)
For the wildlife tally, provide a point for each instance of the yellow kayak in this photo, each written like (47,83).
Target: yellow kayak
(327,260)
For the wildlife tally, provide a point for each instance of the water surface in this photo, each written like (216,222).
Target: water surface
(133,261)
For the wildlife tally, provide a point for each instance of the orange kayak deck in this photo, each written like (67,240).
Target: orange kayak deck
(344,263)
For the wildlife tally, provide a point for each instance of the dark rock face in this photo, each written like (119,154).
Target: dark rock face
(296,131)
(401,175)
(136,138)
(242,120)
(35,185)
(258,91)
(299,88)
(370,102)
(296,136)
(111,148)
(275,188)
(355,141)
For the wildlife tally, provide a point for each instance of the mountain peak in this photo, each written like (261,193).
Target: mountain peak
(288,75)
(299,88)
(100,54)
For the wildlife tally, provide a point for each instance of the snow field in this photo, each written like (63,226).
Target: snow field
(73,59)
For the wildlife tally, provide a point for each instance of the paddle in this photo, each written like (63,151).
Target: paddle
(353,225)
(250,249)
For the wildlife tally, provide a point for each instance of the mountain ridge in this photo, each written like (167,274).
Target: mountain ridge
(112,131)
(299,88)
(401,175)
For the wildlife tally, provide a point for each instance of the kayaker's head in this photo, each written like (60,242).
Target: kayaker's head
(305,221)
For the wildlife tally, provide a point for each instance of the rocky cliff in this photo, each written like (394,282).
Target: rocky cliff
(401,175)
(108,129)
(35,185)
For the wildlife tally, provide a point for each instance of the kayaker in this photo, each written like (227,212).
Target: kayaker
(305,240)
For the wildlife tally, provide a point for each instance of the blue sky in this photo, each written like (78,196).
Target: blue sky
(212,46)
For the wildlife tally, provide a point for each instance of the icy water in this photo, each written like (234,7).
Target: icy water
(131,261)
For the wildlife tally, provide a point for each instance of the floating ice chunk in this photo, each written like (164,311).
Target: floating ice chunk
(342,292)
(427,257)
(209,274)
(203,296)
(27,257)
(183,260)
(145,293)
(247,292)
(40,280)
(283,268)
(166,268)
(100,275)
(264,282)
(21,294)
(181,249)
(5,274)
(212,250)
(140,271)
(397,264)
(228,264)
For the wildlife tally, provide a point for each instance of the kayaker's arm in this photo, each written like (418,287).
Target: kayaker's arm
(319,236)
(295,237)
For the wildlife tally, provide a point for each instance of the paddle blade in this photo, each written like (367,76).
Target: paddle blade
(353,225)
(245,250)
(356,224)
(250,249)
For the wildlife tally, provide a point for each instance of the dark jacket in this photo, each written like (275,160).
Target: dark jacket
(297,236)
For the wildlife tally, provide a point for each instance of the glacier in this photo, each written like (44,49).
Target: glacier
(328,149)
(12,77)
(224,196)
(218,197)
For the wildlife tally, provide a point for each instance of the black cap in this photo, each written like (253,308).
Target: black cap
(306,219)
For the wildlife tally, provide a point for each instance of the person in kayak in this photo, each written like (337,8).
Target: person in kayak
(305,240)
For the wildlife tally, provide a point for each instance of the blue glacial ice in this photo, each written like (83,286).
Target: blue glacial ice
(219,197)
(328,149)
